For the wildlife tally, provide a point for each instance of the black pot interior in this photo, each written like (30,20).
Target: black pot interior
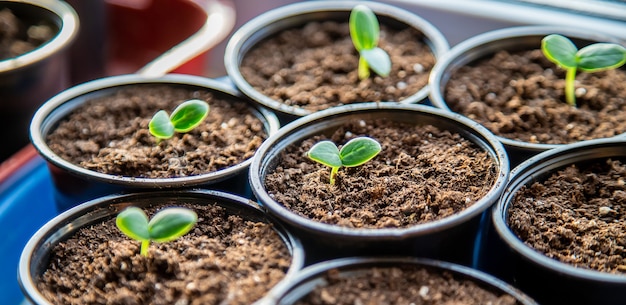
(108,207)
(32,14)
(58,114)
(354,266)
(328,125)
(300,20)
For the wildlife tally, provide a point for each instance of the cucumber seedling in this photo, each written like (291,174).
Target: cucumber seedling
(184,118)
(166,225)
(356,152)
(365,32)
(592,58)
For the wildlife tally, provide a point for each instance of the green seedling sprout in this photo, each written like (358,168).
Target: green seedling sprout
(184,118)
(592,58)
(356,152)
(365,31)
(166,225)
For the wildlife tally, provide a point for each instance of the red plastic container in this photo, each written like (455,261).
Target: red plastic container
(141,30)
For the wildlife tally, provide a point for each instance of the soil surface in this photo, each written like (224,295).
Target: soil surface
(520,96)
(224,259)
(315,67)
(577,216)
(110,134)
(402,285)
(422,174)
(17,37)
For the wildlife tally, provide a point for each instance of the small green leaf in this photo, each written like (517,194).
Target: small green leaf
(601,56)
(325,152)
(134,223)
(160,126)
(166,225)
(189,114)
(560,50)
(592,58)
(365,32)
(364,28)
(185,117)
(378,60)
(358,151)
(171,223)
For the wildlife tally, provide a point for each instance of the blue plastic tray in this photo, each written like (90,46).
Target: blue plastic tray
(26,203)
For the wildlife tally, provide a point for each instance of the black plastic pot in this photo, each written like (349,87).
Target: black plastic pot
(297,15)
(510,39)
(548,280)
(451,238)
(35,255)
(28,80)
(314,276)
(74,184)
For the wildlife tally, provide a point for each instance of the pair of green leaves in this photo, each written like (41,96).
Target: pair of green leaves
(592,58)
(356,152)
(184,118)
(365,32)
(166,225)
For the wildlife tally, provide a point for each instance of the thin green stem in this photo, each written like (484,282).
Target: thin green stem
(144,247)
(333,174)
(363,68)
(570,90)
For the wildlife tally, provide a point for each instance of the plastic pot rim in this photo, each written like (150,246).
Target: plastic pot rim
(52,227)
(440,73)
(68,30)
(310,273)
(528,171)
(67,100)
(282,137)
(261,27)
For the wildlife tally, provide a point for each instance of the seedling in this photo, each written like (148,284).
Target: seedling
(356,152)
(592,58)
(365,32)
(184,118)
(166,225)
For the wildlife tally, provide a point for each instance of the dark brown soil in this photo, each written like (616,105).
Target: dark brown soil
(17,37)
(110,135)
(315,67)
(576,216)
(402,285)
(223,260)
(422,174)
(520,96)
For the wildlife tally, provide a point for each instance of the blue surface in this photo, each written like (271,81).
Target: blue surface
(26,203)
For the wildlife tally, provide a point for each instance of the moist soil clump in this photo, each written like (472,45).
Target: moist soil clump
(110,135)
(315,67)
(576,216)
(422,174)
(520,96)
(18,37)
(402,285)
(223,259)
